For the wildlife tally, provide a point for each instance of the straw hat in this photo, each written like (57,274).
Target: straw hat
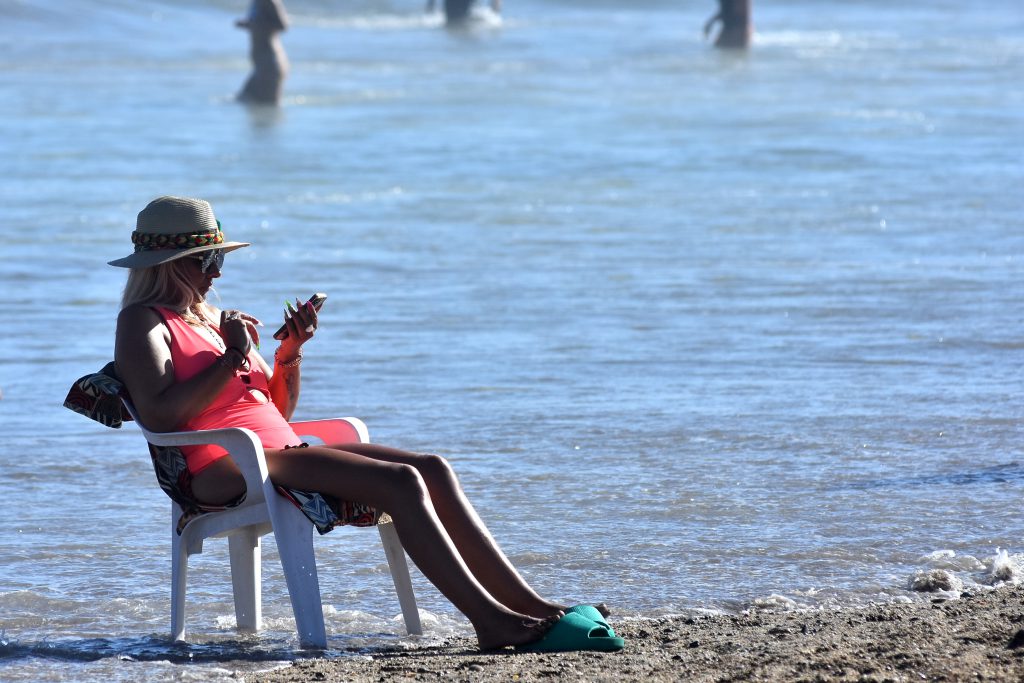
(170,228)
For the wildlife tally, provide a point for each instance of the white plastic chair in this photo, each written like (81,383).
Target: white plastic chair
(264,511)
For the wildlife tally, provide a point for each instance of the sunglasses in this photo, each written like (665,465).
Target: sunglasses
(214,257)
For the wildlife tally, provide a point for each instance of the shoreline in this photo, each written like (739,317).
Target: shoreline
(979,636)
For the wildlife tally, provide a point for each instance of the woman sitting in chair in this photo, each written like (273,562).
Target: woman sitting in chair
(188,365)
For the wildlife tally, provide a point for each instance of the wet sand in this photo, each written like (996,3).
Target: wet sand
(978,637)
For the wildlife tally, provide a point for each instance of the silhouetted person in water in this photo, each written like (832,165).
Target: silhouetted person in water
(736,27)
(457,11)
(266,19)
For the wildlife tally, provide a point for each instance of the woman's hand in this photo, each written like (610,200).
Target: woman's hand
(239,331)
(301,322)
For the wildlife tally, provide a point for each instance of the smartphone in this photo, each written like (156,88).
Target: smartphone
(317,300)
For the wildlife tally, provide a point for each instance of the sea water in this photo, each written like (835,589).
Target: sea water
(698,329)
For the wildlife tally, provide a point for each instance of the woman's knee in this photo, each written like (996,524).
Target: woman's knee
(404,491)
(407,479)
(435,469)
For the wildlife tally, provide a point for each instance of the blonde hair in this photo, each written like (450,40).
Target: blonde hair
(164,285)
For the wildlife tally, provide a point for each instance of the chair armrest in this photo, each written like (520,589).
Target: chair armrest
(245,448)
(334,431)
(242,445)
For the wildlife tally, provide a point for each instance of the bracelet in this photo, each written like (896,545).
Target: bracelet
(226,362)
(244,354)
(293,363)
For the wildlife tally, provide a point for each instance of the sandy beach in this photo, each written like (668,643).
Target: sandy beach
(695,327)
(978,637)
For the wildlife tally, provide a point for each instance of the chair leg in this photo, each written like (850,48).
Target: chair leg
(400,575)
(244,549)
(294,535)
(179,579)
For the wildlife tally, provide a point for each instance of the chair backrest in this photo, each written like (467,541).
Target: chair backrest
(334,431)
(130,407)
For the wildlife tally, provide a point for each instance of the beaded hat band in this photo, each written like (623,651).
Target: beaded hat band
(181,240)
(170,228)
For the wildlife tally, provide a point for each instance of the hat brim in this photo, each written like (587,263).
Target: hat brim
(154,257)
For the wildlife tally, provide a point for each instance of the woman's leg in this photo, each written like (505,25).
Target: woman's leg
(474,542)
(399,489)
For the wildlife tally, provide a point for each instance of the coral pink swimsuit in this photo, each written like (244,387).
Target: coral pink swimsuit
(239,404)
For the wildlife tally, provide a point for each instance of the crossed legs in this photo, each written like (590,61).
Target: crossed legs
(470,536)
(439,529)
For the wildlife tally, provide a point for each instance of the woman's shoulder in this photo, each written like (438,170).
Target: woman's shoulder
(142,317)
(138,322)
(138,313)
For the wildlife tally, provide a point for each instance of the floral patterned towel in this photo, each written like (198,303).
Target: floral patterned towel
(98,397)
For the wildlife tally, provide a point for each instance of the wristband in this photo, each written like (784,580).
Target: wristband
(293,363)
(226,362)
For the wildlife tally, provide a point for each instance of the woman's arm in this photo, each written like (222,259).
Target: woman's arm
(285,382)
(285,379)
(142,352)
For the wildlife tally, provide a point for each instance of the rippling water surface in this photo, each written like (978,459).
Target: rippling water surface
(698,330)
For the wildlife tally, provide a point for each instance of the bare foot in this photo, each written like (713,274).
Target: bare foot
(538,608)
(548,609)
(514,629)
(545,608)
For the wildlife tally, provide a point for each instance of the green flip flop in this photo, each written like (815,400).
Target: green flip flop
(574,633)
(592,613)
